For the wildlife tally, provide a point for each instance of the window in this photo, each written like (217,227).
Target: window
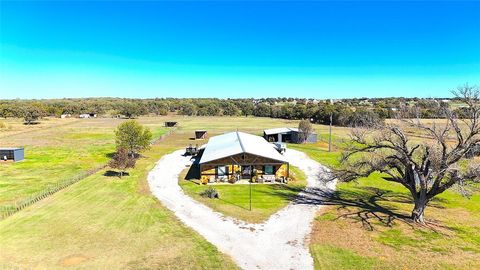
(269,169)
(222,170)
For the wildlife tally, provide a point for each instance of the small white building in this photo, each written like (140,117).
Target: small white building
(88,115)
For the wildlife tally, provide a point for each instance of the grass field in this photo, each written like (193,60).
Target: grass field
(105,222)
(234,200)
(364,226)
(63,149)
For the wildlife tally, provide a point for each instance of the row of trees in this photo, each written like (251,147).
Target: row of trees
(348,112)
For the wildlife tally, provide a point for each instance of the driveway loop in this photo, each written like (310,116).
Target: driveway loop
(278,243)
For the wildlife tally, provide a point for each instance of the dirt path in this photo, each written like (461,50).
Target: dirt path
(278,243)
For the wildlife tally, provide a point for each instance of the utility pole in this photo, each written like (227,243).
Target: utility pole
(330,136)
(330,131)
(250,193)
(250,186)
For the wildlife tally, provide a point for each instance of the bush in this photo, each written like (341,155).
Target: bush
(210,193)
(3,125)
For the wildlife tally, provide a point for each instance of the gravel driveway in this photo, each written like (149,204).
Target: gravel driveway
(278,243)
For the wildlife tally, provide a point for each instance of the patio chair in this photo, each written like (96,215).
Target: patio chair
(212,179)
(269,178)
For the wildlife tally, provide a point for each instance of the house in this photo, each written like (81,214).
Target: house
(15,154)
(88,115)
(170,124)
(289,135)
(67,115)
(200,134)
(237,155)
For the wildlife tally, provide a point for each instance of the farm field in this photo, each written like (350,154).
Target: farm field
(61,150)
(106,221)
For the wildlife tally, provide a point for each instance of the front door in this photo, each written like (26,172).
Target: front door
(246,172)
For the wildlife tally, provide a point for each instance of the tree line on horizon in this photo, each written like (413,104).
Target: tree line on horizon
(343,112)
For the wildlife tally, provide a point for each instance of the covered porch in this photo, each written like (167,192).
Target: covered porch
(244,168)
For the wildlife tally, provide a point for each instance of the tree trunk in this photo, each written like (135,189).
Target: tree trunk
(121,174)
(418,210)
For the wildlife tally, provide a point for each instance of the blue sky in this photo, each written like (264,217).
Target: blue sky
(315,49)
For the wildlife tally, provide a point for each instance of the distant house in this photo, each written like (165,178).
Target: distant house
(14,154)
(234,156)
(67,115)
(289,135)
(88,115)
(200,134)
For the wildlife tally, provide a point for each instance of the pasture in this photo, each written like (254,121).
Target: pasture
(107,222)
(364,225)
(103,221)
(57,150)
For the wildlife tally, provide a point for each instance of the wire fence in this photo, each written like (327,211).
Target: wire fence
(8,210)
(162,137)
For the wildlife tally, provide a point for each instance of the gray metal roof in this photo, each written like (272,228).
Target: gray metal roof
(10,149)
(234,143)
(282,130)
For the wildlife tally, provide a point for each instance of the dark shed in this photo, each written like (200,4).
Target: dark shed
(15,154)
(170,124)
(200,134)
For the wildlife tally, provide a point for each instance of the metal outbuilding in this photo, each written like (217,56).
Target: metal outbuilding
(170,124)
(200,134)
(15,154)
(289,135)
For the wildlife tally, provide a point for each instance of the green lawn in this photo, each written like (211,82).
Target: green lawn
(234,200)
(57,154)
(105,222)
(364,227)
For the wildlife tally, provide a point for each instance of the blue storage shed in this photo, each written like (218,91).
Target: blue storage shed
(15,154)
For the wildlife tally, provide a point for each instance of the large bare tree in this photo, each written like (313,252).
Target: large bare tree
(427,166)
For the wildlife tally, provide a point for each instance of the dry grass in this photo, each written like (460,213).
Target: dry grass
(366,227)
(58,150)
(109,223)
(104,222)
(397,246)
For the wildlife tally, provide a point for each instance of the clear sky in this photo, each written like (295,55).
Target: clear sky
(314,49)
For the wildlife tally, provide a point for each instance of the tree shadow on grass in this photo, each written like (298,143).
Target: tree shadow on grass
(368,205)
(232,203)
(33,123)
(111,173)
